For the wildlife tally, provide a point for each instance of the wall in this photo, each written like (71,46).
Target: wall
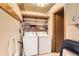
(9,29)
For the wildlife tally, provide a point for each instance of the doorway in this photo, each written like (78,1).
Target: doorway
(58,33)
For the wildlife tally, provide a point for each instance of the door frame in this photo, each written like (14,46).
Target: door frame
(54,30)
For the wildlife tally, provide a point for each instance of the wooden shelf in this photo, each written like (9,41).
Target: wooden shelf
(36,20)
(9,10)
(30,14)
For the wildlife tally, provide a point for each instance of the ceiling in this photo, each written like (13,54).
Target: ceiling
(35,8)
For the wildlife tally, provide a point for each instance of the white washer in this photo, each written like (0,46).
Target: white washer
(30,43)
(44,43)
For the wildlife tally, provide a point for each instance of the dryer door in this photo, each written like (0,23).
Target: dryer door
(12,47)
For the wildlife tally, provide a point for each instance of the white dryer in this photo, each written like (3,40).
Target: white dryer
(44,42)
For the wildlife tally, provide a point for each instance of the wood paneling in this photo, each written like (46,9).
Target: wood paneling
(9,10)
(59,32)
(35,16)
(54,36)
(58,36)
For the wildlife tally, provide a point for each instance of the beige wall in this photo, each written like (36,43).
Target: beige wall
(50,25)
(9,29)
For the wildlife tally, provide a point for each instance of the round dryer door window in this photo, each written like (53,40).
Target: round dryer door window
(12,47)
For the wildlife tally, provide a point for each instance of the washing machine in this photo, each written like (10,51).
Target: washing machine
(30,43)
(44,42)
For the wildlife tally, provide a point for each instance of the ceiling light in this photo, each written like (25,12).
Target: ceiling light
(41,4)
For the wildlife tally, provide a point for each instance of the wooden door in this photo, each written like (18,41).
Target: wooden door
(59,32)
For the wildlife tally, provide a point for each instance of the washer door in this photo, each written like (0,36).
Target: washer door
(12,47)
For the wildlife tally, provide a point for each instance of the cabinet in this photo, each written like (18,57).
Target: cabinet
(72,26)
(72,13)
